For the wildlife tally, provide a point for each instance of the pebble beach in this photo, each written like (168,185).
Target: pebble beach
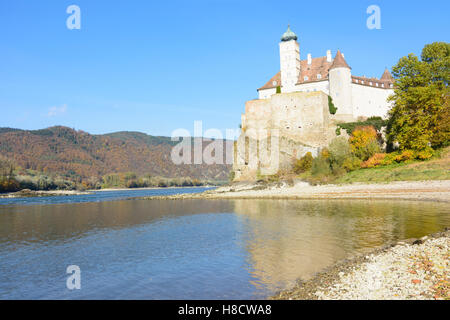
(414,269)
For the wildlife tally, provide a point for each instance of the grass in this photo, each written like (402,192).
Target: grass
(438,168)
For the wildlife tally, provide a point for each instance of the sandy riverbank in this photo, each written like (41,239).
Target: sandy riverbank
(410,269)
(434,190)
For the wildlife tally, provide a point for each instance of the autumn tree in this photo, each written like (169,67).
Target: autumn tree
(364,142)
(419,118)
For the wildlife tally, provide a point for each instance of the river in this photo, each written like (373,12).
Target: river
(190,249)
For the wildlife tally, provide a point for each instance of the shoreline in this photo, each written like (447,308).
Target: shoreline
(150,188)
(25,193)
(432,190)
(410,273)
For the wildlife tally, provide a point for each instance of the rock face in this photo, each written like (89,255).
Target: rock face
(278,130)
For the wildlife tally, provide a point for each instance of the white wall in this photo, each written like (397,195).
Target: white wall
(323,86)
(306,87)
(370,101)
(266,93)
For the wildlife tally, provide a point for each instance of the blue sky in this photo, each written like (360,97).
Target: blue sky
(155,66)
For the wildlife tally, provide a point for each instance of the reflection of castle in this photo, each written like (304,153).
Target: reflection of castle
(277,128)
(291,239)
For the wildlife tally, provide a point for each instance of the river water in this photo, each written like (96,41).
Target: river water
(190,249)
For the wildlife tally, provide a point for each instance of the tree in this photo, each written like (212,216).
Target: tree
(364,142)
(419,118)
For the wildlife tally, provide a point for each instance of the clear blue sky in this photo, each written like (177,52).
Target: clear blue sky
(155,66)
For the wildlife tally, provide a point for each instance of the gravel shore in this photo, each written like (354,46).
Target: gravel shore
(414,269)
(436,190)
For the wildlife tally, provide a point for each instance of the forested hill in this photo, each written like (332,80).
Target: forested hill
(71,153)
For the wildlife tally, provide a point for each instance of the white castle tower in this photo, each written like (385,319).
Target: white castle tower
(340,79)
(289,61)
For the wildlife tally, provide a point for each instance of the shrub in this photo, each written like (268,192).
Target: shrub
(424,154)
(303,164)
(320,166)
(339,150)
(278,89)
(352,163)
(325,153)
(376,160)
(404,156)
(364,142)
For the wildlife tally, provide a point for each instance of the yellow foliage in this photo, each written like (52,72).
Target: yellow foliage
(364,143)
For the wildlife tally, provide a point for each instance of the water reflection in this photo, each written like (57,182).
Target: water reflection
(198,249)
(288,239)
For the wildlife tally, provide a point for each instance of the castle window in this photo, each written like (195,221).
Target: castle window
(305,78)
(356,80)
(392,85)
(370,83)
(319,76)
(362,81)
(382,85)
(274,83)
(376,84)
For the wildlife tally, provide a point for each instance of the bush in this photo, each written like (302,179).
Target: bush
(424,154)
(404,156)
(339,150)
(303,164)
(364,142)
(376,160)
(320,166)
(352,163)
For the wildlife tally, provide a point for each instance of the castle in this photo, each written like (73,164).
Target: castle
(293,116)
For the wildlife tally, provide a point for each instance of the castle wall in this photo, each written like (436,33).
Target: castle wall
(275,131)
(370,101)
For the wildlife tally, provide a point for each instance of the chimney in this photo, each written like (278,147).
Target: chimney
(309,58)
(328,55)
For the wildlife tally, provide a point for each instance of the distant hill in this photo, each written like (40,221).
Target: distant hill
(79,154)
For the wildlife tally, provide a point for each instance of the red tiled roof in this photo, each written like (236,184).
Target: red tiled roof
(339,61)
(320,66)
(387,76)
(373,82)
(274,82)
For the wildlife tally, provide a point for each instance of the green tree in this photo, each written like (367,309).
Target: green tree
(419,118)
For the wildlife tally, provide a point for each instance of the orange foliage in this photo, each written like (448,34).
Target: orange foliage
(376,160)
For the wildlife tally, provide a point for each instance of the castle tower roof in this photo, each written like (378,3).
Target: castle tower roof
(289,35)
(387,76)
(339,61)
